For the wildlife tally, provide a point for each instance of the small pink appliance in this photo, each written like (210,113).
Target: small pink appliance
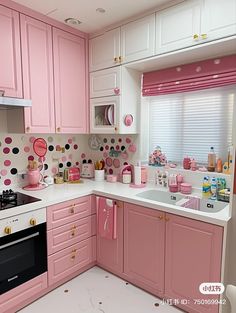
(87,170)
(172,183)
(71,174)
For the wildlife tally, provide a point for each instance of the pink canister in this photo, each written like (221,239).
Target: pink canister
(34,177)
(186,163)
(185,188)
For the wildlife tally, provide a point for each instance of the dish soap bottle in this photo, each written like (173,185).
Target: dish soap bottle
(213,188)
(206,187)
(211,160)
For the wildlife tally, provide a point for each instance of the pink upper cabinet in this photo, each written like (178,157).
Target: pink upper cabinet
(10,61)
(37,62)
(70,82)
(193,256)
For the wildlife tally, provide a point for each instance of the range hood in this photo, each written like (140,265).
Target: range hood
(13,103)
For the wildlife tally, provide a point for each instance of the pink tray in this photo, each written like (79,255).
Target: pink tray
(33,187)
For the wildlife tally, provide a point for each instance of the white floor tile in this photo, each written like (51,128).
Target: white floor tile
(97,291)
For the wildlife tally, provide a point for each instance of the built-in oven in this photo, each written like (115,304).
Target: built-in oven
(23,248)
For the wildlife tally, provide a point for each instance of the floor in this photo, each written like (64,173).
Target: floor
(97,291)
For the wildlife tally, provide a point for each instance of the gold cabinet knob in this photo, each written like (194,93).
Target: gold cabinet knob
(72,257)
(116,59)
(204,36)
(167,219)
(33,221)
(72,233)
(161,217)
(27,129)
(7,230)
(120,59)
(58,129)
(195,36)
(72,209)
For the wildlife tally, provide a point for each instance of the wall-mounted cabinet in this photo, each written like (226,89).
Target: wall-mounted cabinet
(114,108)
(10,74)
(194,22)
(132,41)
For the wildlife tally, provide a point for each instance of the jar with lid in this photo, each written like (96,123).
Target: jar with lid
(126,177)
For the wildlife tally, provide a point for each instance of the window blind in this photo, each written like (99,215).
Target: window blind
(189,124)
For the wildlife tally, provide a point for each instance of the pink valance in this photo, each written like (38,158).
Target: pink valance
(189,77)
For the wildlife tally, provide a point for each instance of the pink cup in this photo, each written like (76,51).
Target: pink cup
(34,177)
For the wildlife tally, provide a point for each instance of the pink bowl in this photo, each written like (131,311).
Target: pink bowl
(185,188)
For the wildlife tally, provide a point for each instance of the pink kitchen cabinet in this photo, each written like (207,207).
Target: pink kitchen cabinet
(193,256)
(10,74)
(70,82)
(36,38)
(110,251)
(69,260)
(144,234)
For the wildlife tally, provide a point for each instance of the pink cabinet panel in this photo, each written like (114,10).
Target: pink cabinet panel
(144,247)
(10,62)
(193,256)
(14,297)
(110,251)
(70,82)
(67,212)
(72,233)
(36,38)
(70,260)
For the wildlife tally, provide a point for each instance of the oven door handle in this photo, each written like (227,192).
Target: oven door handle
(18,240)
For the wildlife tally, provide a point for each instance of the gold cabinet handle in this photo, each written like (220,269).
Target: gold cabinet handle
(32,222)
(116,59)
(72,234)
(58,129)
(161,217)
(72,257)
(74,251)
(72,209)
(204,36)
(120,59)
(2,92)
(167,219)
(195,36)
(27,129)
(7,230)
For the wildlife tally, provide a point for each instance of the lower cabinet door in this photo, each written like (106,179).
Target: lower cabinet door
(110,251)
(193,256)
(18,295)
(70,260)
(144,247)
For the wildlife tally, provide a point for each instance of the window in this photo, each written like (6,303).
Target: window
(188,124)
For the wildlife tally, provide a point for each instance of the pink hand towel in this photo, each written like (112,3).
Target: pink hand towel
(106,218)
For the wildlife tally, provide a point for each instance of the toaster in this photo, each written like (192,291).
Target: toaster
(87,170)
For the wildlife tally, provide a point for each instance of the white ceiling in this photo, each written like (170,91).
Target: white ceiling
(85,10)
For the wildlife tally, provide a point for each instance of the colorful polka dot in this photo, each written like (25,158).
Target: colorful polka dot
(3,172)
(68,164)
(101,148)
(105,154)
(30,157)
(8,140)
(27,149)
(32,139)
(13,171)
(54,170)
(120,139)
(83,155)
(7,162)
(15,150)
(112,140)
(75,147)
(45,167)
(77,163)
(58,148)
(51,148)
(70,140)
(107,147)
(128,140)
(110,171)
(6,150)
(105,140)
(50,139)
(67,146)
(60,165)
(7,182)
(117,147)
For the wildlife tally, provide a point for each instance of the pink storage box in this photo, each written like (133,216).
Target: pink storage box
(185,188)
(112,178)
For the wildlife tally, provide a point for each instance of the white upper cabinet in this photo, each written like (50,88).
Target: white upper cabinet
(178,26)
(194,22)
(218,19)
(138,39)
(104,50)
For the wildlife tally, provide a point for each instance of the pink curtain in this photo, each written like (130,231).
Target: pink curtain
(189,77)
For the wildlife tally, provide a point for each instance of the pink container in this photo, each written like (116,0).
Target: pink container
(186,188)
(173,188)
(34,177)
(112,178)
(144,177)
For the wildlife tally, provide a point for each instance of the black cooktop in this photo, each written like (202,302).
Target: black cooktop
(10,199)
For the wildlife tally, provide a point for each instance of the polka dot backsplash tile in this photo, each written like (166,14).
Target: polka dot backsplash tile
(16,150)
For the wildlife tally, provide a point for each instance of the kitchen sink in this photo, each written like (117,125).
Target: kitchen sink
(196,203)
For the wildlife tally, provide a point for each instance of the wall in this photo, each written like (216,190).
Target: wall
(17,149)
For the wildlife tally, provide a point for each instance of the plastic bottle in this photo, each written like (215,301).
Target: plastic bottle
(219,166)
(213,188)
(211,160)
(206,187)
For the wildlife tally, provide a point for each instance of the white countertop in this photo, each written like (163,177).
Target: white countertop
(59,193)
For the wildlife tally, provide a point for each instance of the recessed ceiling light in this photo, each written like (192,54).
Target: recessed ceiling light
(73,21)
(100,10)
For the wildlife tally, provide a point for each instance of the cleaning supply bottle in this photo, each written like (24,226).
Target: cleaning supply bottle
(211,160)
(213,188)
(206,187)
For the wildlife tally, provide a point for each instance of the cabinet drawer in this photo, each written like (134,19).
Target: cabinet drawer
(70,260)
(69,211)
(105,83)
(69,234)
(23,292)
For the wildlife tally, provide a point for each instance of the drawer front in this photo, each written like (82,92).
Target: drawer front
(70,260)
(70,234)
(67,212)
(23,292)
